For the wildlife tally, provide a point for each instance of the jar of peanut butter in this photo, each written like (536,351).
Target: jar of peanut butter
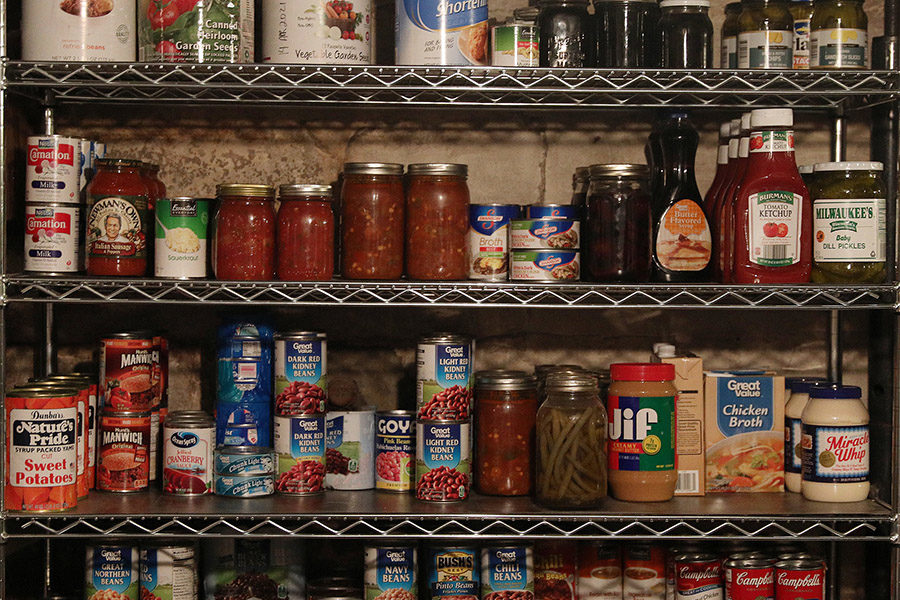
(641,447)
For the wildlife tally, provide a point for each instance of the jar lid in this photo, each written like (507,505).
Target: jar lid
(250,190)
(544,370)
(582,173)
(805,169)
(746,121)
(642,372)
(119,162)
(802,384)
(372,168)
(572,382)
(526,13)
(772,117)
(505,379)
(670,3)
(835,391)
(305,190)
(619,170)
(438,169)
(850,166)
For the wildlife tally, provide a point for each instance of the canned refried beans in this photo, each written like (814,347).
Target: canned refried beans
(124,451)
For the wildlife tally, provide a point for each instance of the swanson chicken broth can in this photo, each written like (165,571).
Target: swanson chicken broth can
(301,373)
(189,438)
(507,572)
(124,451)
(394,450)
(78,30)
(453,573)
(52,167)
(111,573)
(126,364)
(181,237)
(350,450)
(488,240)
(441,32)
(333,32)
(390,573)
(443,460)
(300,450)
(53,240)
(168,572)
(444,377)
(194,31)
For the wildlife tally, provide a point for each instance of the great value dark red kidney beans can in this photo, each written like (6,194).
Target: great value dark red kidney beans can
(53,238)
(802,579)
(390,573)
(444,377)
(443,460)
(394,450)
(749,579)
(301,374)
(126,364)
(124,451)
(554,569)
(698,576)
(300,452)
(453,573)
(189,438)
(507,572)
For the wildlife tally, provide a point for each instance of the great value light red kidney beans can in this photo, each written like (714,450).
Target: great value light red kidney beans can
(126,364)
(698,576)
(391,573)
(453,573)
(301,373)
(444,377)
(394,450)
(749,579)
(53,240)
(112,573)
(52,168)
(443,460)
(124,451)
(802,579)
(189,438)
(555,569)
(300,452)
(507,572)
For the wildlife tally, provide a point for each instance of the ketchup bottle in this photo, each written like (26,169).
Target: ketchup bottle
(773,214)
(721,166)
(726,223)
(715,210)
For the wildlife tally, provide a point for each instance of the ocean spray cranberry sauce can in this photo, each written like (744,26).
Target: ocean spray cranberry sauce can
(189,438)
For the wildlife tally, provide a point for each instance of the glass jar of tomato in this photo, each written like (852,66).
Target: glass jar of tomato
(372,215)
(437,221)
(305,233)
(505,411)
(243,245)
(153,172)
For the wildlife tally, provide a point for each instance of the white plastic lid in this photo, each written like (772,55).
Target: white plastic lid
(745,122)
(850,166)
(725,130)
(772,117)
(668,3)
(735,127)
(665,350)
(805,169)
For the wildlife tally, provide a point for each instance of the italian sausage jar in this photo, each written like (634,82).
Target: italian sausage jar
(244,240)
(437,222)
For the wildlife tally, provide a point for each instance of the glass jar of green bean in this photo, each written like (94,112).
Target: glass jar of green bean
(571,443)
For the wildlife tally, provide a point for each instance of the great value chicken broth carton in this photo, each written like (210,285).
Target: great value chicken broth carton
(744,432)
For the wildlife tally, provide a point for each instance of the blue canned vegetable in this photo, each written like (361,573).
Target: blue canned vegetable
(453,572)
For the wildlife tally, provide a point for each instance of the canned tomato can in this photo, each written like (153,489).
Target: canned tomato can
(188,442)
(802,579)
(300,449)
(488,240)
(391,573)
(41,449)
(699,576)
(182,225)
(244,486)
(644,572)
(168,572)
(550,211)
(112,571)
(430,32)
(544,233)
(507,572)
(124,451)
(545,265)
(126,364)
(350,450)
(555,569)
(444,377)
(335,32)
(244,460)
(515,44)
(394,450)
(749,578)
(599,571)
(301,373)
(196,32)
(79,31)
(53,242)
(52,167)
(443,460)
(453,573)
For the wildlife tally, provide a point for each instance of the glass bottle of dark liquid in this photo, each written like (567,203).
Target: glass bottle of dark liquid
(566,34)
(686,34)
(682,240)
(653,154)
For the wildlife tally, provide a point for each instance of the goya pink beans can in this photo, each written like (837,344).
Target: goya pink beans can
(188,442)
(394,448)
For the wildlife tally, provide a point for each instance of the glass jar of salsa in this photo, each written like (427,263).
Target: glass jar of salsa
(372,216)
(437,222)
(305,233)
(118,227)
(243,247)
(506,408)
(687,34)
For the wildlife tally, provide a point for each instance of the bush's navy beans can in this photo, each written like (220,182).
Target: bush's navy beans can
(181,237)
(350,450)
(168,573)
(488,240)
(443,460)
(444,377)
(507,572)
(52,168)
(53,240)
(802,579)
(244,486)
(124,451)
(555,566)
(300,450)
(244,386)
(699,576)
(438,32)
(453,573)
(189,437)
(336,32)
(544,233)
(395,450)
(391,573)
(244,460)
(301,373)
(749,579)
(111,571)
(550,211)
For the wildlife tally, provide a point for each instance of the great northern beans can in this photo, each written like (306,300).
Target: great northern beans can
(189,438)
(507,572)
(443,460)
(391,573)
(124,451)
(111,572)
(191,31)
(394,450)
(444,377)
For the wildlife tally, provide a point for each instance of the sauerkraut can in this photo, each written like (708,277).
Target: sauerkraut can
(53,243)
(52,167)
(300,450)
(515,45)
(453,573)
(555,569)
(391,573)
(126,361)
(111,572)
(181,237)
(350,450)
(301,373)
(168,573)
(444,377)
(506,570)
(124,452)
(545,265)
(394,450)
(204,31)
(330,32)
(441,32)
(188,440)
(552,233)
(79,30)
(488,240)
(443,460)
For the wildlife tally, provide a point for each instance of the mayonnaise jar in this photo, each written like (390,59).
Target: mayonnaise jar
(796,397)
(835,445)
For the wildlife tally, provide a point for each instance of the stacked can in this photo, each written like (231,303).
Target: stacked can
(544,246)
(488,240)
(395,450)
(244,471)
(188,441)
(443,419)
(244,385)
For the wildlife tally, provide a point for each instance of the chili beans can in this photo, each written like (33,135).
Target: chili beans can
(453,573)
(749,579)
(698,576)
(443,460)
(394,450)
(189,438)
(429,33)
(545,265)
(301,373)
(112,572)
(79,30)
(488,239)
(197,32)
(52,169)
(350,450)
(390,573)
(303,33)
(124,451)
(244,486)
(599,571)
(444,377)
(168,573)
(555,566)
(300,449)
(644,575)
(182,225)
(41,450)
(53,242)
(550,211)
(244,460)
(126,362)
(802,579)
(547,233)
(507,572)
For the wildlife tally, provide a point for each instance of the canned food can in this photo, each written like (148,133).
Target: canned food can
(599,571)
(390,573)
(301,373)
(78,31)
(444,377)
(159,375)
(305,33)
(545,265)
(698,576)
(89,383)
(87,163)
(544,233)
(126,362)
(244,385)
(168,573)
(124,451)
(112,571)
(488,240)
(515,45)
(802,579)
(428,34)
(443,460)
(154,443)
(749,579)
(453,573)
(53,242)
(196,32)
(254,431)
(244,460)
(507,572)
(244,380)
(350,450)
(394,450)
(550,211)
(41,450)
(188,441)
(244,486)
(52,167)
(181,237)
(555,569)
(300,447)
(644,575)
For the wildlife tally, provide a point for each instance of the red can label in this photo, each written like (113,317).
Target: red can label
(51,174)
(92,436)
(81,435)
(159,372)
(126,374)
(750,583)
(124,451)
(700,580)
(800,584)
(554,569)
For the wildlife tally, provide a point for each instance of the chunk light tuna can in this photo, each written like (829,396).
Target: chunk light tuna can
(441,32)
(391,573)
(350,450)
(111,572)
(79,30)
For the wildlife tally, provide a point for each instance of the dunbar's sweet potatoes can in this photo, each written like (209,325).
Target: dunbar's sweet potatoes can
(124,452)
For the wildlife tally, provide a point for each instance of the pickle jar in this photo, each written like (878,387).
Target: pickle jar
(849,227)
(571,443)
(766,35)
(838,35)
(730,30)
(243,247)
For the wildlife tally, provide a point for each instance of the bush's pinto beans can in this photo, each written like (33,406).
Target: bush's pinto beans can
(802,579)
(443,460)
(168,572)
(699,576)
(301,373)
(350,450)
(244,460)
(394,450)
(453,573)
(444,377)
(300,449)
(749,578)
(507,572)
(189,437)
(53,240)
(391,573)
(124,451)
(111,572)
(126,365)
(52,169)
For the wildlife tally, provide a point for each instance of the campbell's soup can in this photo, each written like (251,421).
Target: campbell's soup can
(555,563)
(124,451)
(350,449)
(427,32)
(507,571)
(53,240)
(300,452)
(699,576)
(644,572)
(802,579)
(196,32)
(749,579)
(453,573)
(443,460)
(391,573)
(79,31)
(52,167)
(336,32)
(444,377)
(189,438)
(112,572)
(168,572)
(126,364)
(301,373)
(599,571)
(395,450)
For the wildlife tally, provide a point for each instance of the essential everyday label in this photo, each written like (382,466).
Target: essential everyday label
(641,433)
(684,242)
(775,221)
(801,43)
(839,48)
(181,236)
(515,45)
(853,230)
(835,454)
(728,54)
(766,50)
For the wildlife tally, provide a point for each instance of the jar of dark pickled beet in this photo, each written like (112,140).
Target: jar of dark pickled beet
(627,33)
(243,246)
(372,217)
(305,233)
(437,222)
(567,34)
(686,34)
